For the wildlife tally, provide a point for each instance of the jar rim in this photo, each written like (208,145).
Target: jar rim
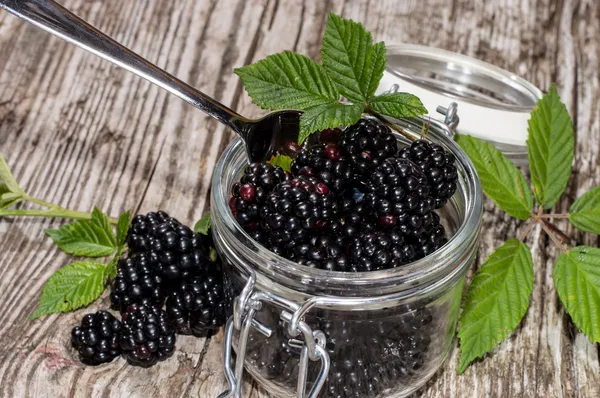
(432,267)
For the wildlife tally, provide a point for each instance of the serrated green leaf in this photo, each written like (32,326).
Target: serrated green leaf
(287,81)
(71,287)
(500,178)
(327,116)
(577,281)
(283,161)
(352,61)
(111,268)
(84,238)
(550,147)
(203,224)
(585,212)
(101,220)
(496,300)
(122,228)
(397,105)
(7,178)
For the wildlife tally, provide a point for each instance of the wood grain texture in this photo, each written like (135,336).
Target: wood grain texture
(80,132)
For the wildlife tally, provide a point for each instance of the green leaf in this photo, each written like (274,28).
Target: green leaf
(71,287)
(374,68)
(111,268)
(84,238)
(500,178)
(550,147)
(7,178)
(203,224)
(577,280)
(585,212)
(102,222)
(496,300)
(397,105)
(327,116)
(287,81)
(354,64)
(283,161)
(122,228)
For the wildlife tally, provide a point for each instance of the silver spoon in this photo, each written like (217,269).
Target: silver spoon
(261,136)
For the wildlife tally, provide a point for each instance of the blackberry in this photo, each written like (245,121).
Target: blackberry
(431,240)
(321,251)
(180,252)
(199,306)
(294,210)
(396,191)
(137,279)
(367,144)
(147,336)
(251,192)
(140,228)
(437,164)
(327,163)
(372,251)
(97,339)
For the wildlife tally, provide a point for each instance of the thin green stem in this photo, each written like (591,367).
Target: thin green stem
(42,202)
(54,211)
(77,215)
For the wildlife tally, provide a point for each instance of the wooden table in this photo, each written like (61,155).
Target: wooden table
(79,132)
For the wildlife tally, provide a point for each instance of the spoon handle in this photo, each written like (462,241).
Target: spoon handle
(54,18)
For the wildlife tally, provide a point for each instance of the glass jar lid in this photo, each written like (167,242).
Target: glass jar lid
(493,104)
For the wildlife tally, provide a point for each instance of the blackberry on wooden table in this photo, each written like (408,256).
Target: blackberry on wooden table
(97,338)
(199,306)
(138,278)
(140,229)
(181,253)
(146,336)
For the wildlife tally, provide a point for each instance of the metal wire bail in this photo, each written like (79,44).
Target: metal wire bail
(312,346)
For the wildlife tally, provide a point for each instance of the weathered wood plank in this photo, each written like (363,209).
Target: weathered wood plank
(80,132)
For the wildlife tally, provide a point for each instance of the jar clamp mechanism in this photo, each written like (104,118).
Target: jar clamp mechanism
(245,307)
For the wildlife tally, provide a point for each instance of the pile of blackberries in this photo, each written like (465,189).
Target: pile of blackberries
(167,264)
(353,203)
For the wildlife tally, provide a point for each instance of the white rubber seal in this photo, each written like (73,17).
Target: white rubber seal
(490,124)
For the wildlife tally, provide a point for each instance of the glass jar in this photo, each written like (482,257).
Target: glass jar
(384,333)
